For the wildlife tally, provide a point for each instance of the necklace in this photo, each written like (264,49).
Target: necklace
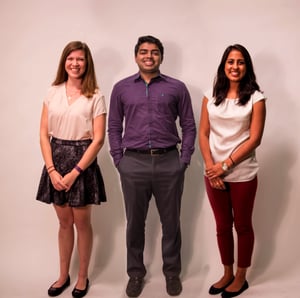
(73,93)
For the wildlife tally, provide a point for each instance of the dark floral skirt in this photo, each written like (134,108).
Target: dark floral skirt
(88,188)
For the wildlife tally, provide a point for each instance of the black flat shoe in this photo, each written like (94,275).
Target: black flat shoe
(227,294)
(54,291)
(215,291)
(81,293)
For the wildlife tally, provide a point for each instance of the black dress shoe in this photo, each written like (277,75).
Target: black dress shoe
(174,286)
(76,293)
(215,291)
(134,286)
(54,291)
(227,294)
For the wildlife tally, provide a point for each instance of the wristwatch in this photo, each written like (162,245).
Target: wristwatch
(225,166)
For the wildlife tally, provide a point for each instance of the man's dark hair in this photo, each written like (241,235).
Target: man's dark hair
(149,39)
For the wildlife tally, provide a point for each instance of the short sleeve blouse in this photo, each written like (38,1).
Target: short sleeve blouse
(229,127)
(72,121)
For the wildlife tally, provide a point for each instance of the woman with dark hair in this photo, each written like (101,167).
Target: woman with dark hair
(72,132)
(231,128)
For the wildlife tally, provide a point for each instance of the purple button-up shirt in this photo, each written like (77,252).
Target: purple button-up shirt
(150,112)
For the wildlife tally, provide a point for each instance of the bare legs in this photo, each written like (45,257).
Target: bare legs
(67,217)
(65,241)
(82,219)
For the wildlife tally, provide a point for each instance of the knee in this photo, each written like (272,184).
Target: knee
(66,223)
(171,228)
(83,224)
(243,229)
(224,229)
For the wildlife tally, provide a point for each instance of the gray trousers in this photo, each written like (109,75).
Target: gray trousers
(162,176)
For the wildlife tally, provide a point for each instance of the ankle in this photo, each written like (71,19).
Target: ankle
(241,274)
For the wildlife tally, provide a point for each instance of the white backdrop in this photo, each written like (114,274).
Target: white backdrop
(195,34)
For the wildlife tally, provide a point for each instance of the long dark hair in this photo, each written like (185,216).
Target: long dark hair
(89,81)
(247,84)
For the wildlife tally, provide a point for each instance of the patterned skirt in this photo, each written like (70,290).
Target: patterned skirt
(88,188)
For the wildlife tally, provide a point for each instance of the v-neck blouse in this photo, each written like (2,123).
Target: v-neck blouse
(72,121)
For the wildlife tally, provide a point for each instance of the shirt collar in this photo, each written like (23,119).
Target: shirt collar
(137,77)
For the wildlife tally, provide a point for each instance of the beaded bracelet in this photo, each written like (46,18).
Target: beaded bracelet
(78,169)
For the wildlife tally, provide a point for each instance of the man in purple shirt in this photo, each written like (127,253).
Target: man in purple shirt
(151,158)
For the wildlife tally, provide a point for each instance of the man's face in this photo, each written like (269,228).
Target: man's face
(148,58)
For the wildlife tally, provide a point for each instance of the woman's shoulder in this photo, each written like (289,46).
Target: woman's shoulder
(209,94)
(98,95)
(98,98)
(257,96)
(54,90)
(98,102)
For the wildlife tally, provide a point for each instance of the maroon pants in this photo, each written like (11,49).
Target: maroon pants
(234,206)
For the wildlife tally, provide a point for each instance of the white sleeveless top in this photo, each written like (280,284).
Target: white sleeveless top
(229,127)
(72,121)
